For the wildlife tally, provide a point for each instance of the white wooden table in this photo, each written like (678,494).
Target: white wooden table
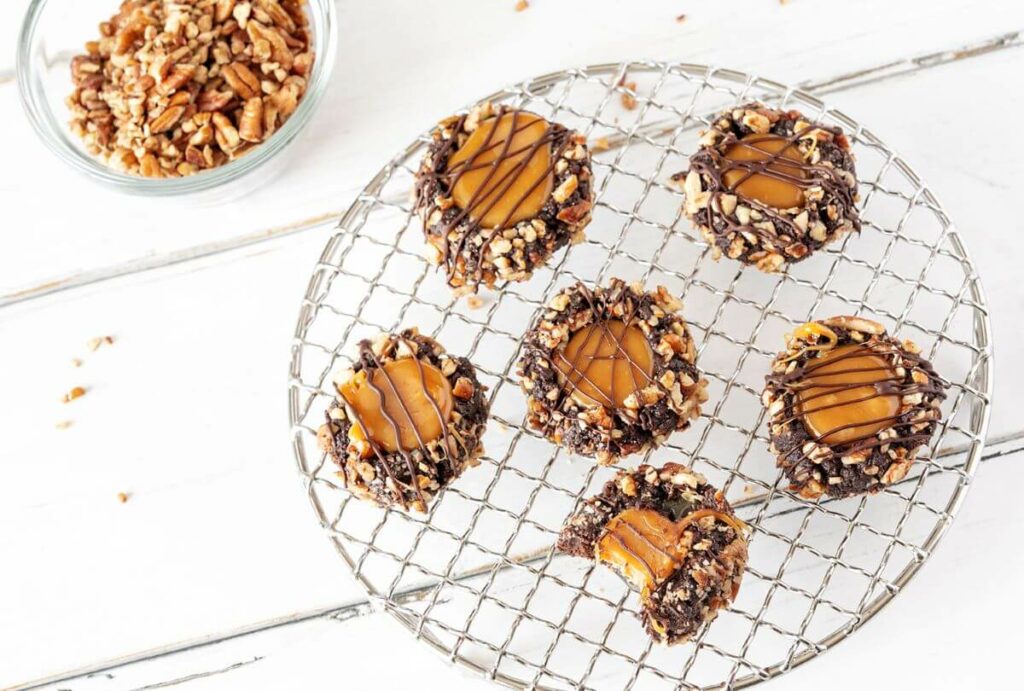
(214,574)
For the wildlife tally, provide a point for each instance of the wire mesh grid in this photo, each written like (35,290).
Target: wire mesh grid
(476,577)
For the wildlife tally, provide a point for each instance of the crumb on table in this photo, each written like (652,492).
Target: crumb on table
(76,392)
(94,343)
(628,99)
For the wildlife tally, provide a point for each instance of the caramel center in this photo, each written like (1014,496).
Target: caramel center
(760,171)
(843,397)
(644,546)
(603,363)
(417,399)
(503,171)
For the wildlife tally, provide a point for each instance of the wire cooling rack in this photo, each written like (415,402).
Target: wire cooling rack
(476,577)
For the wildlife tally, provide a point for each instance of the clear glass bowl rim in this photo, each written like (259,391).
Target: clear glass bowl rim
(53,130)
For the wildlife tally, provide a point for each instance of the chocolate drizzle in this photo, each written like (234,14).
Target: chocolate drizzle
(712,165)
(372,362)
(895,385)
(438,179)
(705,561)
(593,423)
(621,354)
(849,466)
(771,236)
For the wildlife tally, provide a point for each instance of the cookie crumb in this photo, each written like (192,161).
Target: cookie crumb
(63,424)
(681,18)
(95,343)
(123,497)
(474,302)
(522,5)
(76,362)
(76,392)
(601,144)
(628,99)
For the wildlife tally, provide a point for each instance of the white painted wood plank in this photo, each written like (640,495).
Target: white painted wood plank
(185,413)
(395,76)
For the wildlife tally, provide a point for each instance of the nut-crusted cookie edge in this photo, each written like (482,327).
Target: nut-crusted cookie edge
(509,254)
(386,481)
(816,468)
(709,578)
(751,232)
(667,405)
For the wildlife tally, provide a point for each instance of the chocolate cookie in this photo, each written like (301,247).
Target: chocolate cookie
(849,407)
(500,190)
(769,187)
(672,536)
(407,421)
(610,371)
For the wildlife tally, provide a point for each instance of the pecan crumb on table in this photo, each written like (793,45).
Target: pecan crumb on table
(628,99)
(76,392)
(95,343)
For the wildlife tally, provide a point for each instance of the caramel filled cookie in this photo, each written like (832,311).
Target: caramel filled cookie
(673,537)
(407,421)
(849,407)
(610,371)
(769,187)
(500,190)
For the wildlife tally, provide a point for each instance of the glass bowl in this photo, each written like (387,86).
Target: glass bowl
(55,31)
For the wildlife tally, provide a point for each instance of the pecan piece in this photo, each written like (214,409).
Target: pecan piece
(214,101)
(250,125)
(225,133)
(166,120)
(242,80)
(574,214)
(277,14)
(279,50)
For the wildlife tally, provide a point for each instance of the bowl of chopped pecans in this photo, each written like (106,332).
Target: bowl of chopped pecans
(170,97)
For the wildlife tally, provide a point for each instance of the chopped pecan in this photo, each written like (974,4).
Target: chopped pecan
(250,125)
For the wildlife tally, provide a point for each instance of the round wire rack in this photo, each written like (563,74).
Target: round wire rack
(476,577)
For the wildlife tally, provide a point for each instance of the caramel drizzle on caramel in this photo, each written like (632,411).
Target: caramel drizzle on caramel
(449,178)
(367,355)
(711,162)
(576,375)
(795,381)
